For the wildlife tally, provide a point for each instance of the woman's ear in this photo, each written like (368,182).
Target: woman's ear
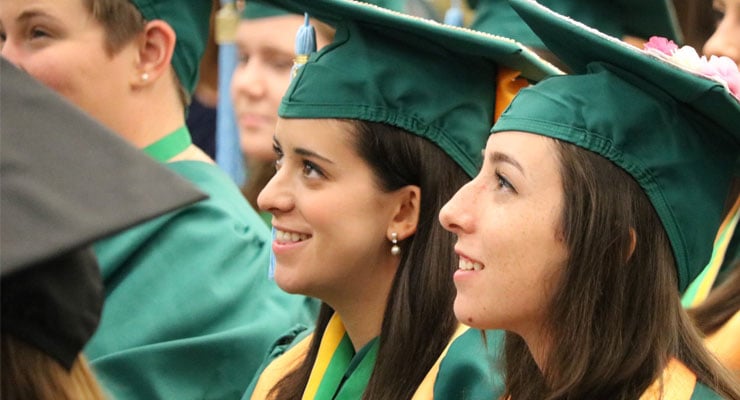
(406,216)
(155,47)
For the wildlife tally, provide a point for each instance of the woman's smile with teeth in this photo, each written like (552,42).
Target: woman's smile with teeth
(468,265)
(290,237)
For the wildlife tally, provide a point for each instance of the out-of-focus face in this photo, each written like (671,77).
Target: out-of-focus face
(726,38)
(329,213)
(60,43)
(507,221)
(266,52)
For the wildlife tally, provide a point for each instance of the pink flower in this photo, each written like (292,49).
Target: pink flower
(660,45)
(725,70)
(721,69)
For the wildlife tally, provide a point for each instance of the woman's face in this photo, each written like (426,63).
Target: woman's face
(266,52)
(330,216)
(726,38)
(507,221)
(60,43)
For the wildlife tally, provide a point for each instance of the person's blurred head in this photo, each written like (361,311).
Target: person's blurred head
(725,41)
(266,47)
(109,56)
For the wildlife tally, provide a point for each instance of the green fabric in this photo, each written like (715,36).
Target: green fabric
(284,343)
(732,257)
(702,392)
(680,151)
(704,96)
(469,370)
(432,80)
(641,18)
(170,145)
(337,369)
(348,373)
(189,311)
(190,20)
(254,10)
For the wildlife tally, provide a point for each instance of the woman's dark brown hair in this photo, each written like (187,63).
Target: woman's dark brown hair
(419,320)
(260,172)
(615,320)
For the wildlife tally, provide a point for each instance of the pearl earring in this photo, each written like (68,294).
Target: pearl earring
(395,250)
(145,77)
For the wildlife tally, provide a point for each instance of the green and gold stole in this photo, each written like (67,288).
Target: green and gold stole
(339,373)
(699,289)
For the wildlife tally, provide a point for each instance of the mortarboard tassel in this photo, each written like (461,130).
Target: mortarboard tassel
(228,151)
(305,44)
(271,268)
(454,15)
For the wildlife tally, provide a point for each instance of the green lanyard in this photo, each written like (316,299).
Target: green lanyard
(170,145)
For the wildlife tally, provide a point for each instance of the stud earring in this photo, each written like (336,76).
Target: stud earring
(145,76)
(395,249)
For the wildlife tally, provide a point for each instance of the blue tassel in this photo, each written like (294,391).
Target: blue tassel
(305,39)
(305,44)
(271,269)
(454,15)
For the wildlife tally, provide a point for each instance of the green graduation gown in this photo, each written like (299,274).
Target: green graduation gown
(189,311)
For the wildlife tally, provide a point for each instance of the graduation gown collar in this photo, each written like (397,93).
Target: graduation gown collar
(171,145)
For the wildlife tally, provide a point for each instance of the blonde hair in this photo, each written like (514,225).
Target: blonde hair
(28,373)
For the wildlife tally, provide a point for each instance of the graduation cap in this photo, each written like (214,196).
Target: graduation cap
(640,18)
(255,10)
(433,80)
(673,130)
(190,19)
(65,181)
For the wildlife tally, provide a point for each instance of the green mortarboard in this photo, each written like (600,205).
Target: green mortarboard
(190,20)
(675,132)
(65,181)
(432,80)
(641,18)
(255,10)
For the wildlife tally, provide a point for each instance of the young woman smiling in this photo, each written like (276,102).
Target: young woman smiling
(580,230)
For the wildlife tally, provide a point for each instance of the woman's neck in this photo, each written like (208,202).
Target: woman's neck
(362,308)
(362,326)
(147,115)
